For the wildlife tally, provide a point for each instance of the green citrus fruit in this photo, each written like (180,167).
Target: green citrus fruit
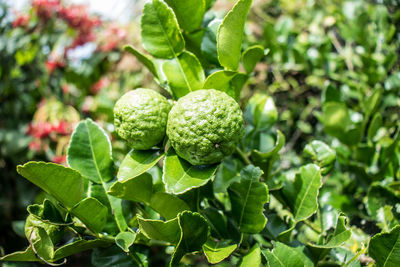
(140,117)
(205,126)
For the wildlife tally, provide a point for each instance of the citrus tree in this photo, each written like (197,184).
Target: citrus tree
(209,178)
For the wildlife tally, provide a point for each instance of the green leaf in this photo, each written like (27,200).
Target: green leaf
(26,255)
(168,231)
(180,176)
(285,256)
(79,246)
(342,234)
(229,82)
(114,256)
(336,119)
(374,126)
(248,198)
(209,42)
(42,244)
(184,74)
(384,248)
(189,13)
(217,222)
(161,36)
(124,240)
(218,251)
(92,213)
(302,194)
(378,197)
(261,156)
(167,205)
(137,162)
(321,154)
(64,184)
(230,35)
(253,257)
(146,61)
(261,111)
(137,189)
(194,233)
(89,152)
(251,56)
(47,213)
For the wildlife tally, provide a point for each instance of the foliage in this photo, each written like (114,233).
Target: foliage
(313,182)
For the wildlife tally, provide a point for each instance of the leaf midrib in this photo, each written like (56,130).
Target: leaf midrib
(391,251)
(306,193)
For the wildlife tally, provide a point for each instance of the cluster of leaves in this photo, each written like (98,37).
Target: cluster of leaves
(329,196)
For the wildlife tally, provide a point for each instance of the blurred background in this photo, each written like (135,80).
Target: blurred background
(61,61)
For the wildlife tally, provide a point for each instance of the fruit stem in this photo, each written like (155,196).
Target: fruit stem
(243,156)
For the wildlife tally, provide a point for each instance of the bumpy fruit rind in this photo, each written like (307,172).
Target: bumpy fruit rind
(205,126)
(140,117)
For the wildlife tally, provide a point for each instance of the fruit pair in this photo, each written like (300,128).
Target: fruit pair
(203,127)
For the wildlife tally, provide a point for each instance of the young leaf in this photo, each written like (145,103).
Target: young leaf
(384,248)
(64,184)
(167,205)
(251,56)
(168,231)
(194,233)
(146,61)
(161,36)
(92,213)
(285,256)
(218,251)
(230,35)
(41,244)
(248,198)
(253,257)
(184,74)
(189,13)
(229,82)
(261,111)
(322,154)
(341,235)
(137,162)
(180,176)
(137,189)
(124,240)
(302,194)
(89,152)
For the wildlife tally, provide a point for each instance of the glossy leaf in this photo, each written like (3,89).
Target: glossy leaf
(252,258)
(378,197)
(209,42)
(261,111)
(248,198)
(64,184)
(342,234)
(285,256)
(229,82)
(161,36)
(137,162)
(167,205)
(385,248)
(92,213)
(144,59)
(79,246)
(194,233)
(251,56)
(230,35)
(189,13)
(167,231)
(302,194)
(321,154)
(184,74)
(124,240)
(218,251)
(136,189)
(27,255)
(180,176)
(89,152)
(265,155)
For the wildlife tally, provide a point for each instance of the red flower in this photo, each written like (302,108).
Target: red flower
(21,21)
(97,87)
(61,127)
(59,159)
(45,9)
(51,65)
(35,145)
